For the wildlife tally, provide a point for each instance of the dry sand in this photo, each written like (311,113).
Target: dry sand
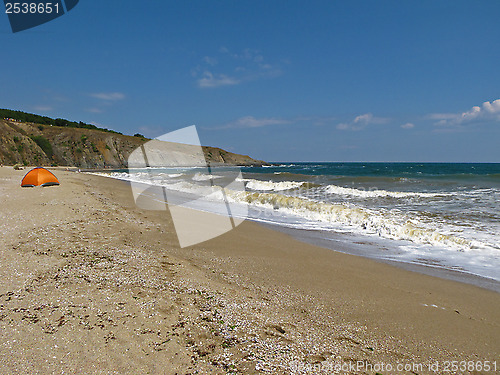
(90,284)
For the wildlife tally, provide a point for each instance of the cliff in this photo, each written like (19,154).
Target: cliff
(44,145)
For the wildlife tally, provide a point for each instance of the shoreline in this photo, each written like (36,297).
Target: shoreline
(91,283)
(437,271)
(308,236)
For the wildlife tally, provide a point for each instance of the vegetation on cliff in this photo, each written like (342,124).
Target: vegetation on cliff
(20,116)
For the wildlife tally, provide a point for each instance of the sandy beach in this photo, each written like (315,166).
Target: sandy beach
(91,284)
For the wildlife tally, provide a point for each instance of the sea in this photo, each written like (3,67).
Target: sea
(438,218)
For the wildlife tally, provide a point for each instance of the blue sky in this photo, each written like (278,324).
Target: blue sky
(278,80)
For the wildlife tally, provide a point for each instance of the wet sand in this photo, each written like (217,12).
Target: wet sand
(92,284)
(370,250)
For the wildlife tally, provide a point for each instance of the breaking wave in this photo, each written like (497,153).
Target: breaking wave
(334,189)
(385,223)
(271,185)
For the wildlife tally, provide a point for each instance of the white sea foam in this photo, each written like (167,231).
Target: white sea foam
(204,177)
(385,223)
(334,189)
(271,185)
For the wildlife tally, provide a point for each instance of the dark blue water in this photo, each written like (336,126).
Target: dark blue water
(411,170)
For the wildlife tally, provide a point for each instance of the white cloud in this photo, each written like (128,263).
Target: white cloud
(210,60)
(366,118)
(209,80)
(362,121)
(493,107)
(408,125)
(252,122)
(108,96)
(315,120)
(247,65)
(488,111)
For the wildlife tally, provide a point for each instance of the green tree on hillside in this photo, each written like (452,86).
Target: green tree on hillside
(44,145)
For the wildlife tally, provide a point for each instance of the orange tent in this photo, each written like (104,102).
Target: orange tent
(39,176)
